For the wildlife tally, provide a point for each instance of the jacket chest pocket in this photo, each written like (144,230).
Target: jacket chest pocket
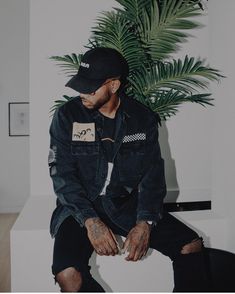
(132,149)
(86,156)
(130,160)
(85,149)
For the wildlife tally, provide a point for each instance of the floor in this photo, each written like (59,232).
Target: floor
(6,223)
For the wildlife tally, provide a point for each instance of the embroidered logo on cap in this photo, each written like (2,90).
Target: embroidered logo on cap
(83,132)
(87,65)
(134,137)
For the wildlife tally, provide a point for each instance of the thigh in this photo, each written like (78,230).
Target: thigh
(170,235)
(72,248)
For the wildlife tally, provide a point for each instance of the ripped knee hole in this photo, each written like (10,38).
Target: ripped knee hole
(194,246)
(70,280)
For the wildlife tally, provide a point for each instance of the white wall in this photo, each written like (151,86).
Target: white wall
(222,48)
(67,33)
(14,87)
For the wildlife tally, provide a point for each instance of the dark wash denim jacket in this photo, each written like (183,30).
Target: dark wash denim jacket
(79,168)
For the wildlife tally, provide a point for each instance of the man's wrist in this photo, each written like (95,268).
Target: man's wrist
(90,221)
(148,222)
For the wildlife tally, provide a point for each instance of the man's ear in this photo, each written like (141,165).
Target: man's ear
(115,85)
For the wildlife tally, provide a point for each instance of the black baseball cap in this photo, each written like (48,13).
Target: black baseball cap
(98,65)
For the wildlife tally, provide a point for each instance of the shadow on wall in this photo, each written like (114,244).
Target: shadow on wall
(173,189)
(170,169)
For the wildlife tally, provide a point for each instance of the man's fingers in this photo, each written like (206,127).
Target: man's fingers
(137,255)
(114,237)
(142,254)
(129,247)
(146,250)
(104,249)
(132,252)
(102,238)
(99,251)
(107,246)
(114,244)
(137,252)
(108,250)
(113,250)
(136,243)
(126,245)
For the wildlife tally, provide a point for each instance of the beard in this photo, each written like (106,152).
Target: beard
(96,104)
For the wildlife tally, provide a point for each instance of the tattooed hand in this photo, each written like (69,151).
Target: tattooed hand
(137,241)
(101,237)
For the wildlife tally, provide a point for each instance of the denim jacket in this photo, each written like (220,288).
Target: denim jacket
(79,166)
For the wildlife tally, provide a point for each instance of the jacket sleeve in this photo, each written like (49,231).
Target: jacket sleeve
(63,172)
(152,188)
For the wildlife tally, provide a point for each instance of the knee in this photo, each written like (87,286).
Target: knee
(70,280)
(192,247)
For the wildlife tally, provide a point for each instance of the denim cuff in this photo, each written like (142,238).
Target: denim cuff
(84,215)
(145,216)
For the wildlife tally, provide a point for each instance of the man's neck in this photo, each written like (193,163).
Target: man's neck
(111,107)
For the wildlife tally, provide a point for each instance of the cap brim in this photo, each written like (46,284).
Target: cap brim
(84,85)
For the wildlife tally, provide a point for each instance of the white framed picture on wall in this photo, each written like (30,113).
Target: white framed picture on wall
(18,114)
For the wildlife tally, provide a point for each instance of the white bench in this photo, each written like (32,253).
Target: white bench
(32,246)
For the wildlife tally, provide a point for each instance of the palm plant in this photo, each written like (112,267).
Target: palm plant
(147,32)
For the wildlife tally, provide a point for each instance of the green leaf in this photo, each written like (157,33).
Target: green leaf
(167,103)
(69,63)
(187,76)
(133,9)
(159,35)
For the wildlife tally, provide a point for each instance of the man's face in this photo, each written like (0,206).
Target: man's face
(99,98)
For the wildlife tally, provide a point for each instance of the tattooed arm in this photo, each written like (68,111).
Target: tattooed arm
(101,237)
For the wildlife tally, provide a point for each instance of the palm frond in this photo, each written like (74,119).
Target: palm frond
(132,10)
(187,76)
(199,3)
(69,63)
(161,29)
(114,31)
(167,103)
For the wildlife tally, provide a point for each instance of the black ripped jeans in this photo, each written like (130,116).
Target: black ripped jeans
(72,248)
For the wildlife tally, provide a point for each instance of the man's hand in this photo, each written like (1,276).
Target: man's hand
(137,241)
(101,237)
